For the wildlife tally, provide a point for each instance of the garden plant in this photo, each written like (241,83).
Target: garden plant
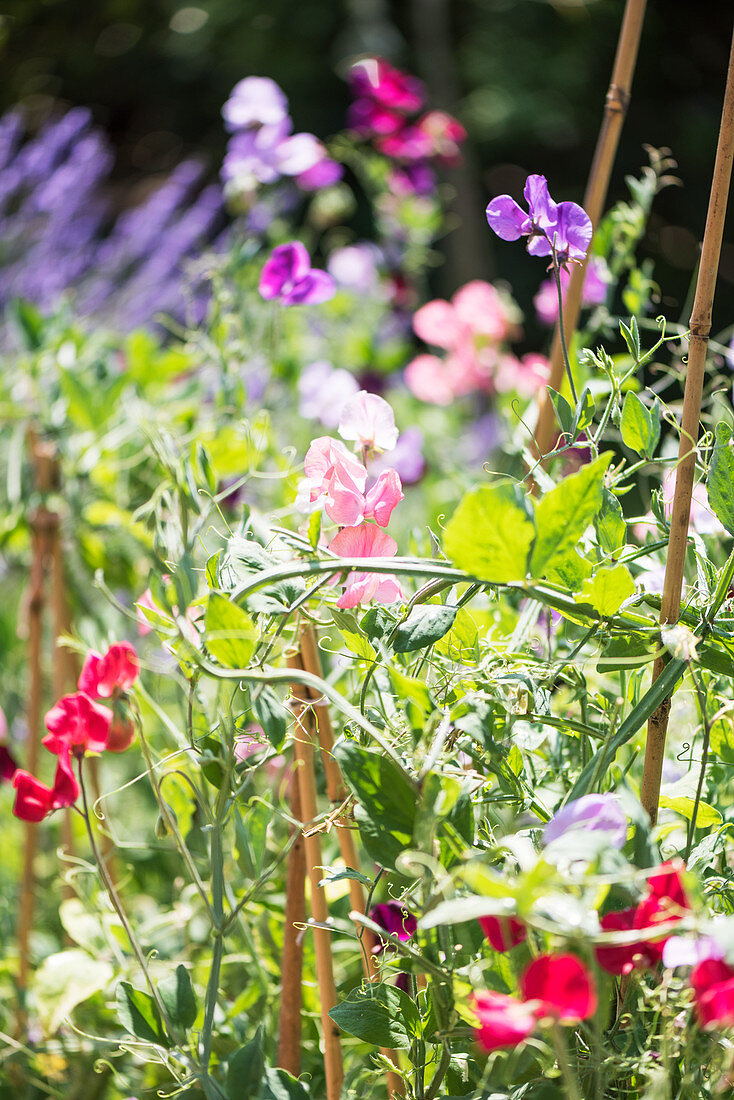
(367,717)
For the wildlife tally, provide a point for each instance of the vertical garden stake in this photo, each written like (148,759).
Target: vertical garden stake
(700,325)
(306,778)
(615,109)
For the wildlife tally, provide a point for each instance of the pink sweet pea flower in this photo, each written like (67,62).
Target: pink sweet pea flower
(445,135)
(369,421)
(427,380)
(255,101)
(287,276)
(664,903)
(503,932)
(34,800)
(503,1021)
(366,541)
(523,376)
(76,724)
(562,986)
(335,478)
(383,497)
(108,675)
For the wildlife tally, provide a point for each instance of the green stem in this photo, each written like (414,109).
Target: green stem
(569,1077)
(704,761)
(561,327)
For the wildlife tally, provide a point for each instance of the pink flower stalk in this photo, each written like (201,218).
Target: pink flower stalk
(366,541)
(288,277)
(368,420)
(34,800)
(596,284)
(77,725)
(445,134)
(376,80)
(522,376)
(111,674)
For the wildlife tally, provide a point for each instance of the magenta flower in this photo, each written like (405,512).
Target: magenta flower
(564,226)
(288,277)
(395,919)
(255,101)
(366,541)
(375,79)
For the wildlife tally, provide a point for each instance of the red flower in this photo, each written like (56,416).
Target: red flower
(562,986)
(109,675)
(713,987)
(8,766)
(33,799)
(503,1021)
(78,725)
(503,932)
(664,903)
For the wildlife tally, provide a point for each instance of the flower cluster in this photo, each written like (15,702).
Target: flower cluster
(473,329)
(384,111)
(563,228)
(556,988)
(287,276)
(263,148)
(77,725)
(664,903)
(337,481)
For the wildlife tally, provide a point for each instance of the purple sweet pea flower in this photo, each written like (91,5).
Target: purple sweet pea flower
(288,276)
(324,392)
(406,457)
(546,224)
(255,101)
(600,812)
(395,919)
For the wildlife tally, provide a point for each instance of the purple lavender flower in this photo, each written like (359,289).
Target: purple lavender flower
(289,277)
(255,101)
(597,812)
(564,226)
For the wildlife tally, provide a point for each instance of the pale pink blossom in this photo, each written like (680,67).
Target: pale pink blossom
(427,380)
(368,420)
(336,479)
(366,541)
(384,495)
(523,376)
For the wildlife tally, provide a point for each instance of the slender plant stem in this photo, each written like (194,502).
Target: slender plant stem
(561,331)
(704,760)
(700,326)
(569,1077)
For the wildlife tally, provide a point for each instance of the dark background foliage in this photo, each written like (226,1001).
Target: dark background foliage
(527,77)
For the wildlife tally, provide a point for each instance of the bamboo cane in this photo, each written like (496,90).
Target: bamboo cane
(700,326)
(291,996)
(306,777)
(615,109)
(336,792)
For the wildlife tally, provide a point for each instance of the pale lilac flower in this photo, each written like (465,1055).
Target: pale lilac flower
(595,812)
(406,457)
(687,951)
(288,276)
(324,391)
(368,420)
(253,156)
(355,267)
(546,224)
(255,101)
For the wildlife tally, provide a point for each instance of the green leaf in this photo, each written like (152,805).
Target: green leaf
(706,817)
(720,480)
(280,1085)
(138,1013)
(65,980)
(631,337)
(379,1014)
(245,1070)
(564,412)
(611,530)
(631,651)
(405,687)
(570,570)
(608,589)
(354,637)
(251,834)
(230,632)
(271,714)
(490,533)
(640,426)
(386,800)
(584,412)
(424,625)
(565,512)
(178,997)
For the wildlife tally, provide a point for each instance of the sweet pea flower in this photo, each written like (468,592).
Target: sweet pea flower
(687,951)
(34,800)
(368,420)
(445,134)
(713,988)
(564,226)
(324,391)
(504,1022)
(522,376)
(701,517)
(255,101)
(598,812)
(375,79)
(288,277)
(562,986)
(596,285)
(503,932)
(77,724)
(395,919)
(355,267)
(664,903)
(406,458)
(335,478)
(382,498)
(366,541)
(109,675)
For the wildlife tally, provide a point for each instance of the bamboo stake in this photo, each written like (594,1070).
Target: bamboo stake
(306,776)
(337,792)
(291,995)
(615,109)
(700,326)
